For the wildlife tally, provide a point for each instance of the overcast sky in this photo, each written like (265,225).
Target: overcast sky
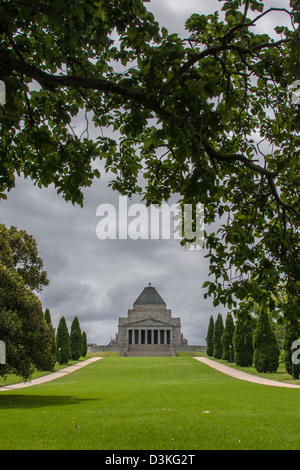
(98,280)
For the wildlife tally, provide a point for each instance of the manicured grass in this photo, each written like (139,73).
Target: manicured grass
(154,403)
(13,378)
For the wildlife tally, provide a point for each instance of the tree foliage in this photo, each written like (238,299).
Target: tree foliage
(210,117)
(217,336)
(23,328)
(227,337)
(52,330)
(209,337)
(63,342)
(266,349)
(242,342)
(19,252)
(75,340)
(84,344)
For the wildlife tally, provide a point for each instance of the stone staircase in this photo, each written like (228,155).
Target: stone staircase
(145,350)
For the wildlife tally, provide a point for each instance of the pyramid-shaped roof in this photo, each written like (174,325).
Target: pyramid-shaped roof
(149,296)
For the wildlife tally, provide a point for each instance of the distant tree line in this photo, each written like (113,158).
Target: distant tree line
(252,340)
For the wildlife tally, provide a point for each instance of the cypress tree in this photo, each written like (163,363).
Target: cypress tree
(84,344)
(292,333)
(209,338)
(266,349)
(242,343)
(63,342)
(47,316)
(52,330)
(75,340)
(218,331)
(226,339)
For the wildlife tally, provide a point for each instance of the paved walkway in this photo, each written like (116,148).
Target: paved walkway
(47,378)
(243,375)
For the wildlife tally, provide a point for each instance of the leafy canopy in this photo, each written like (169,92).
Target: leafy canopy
(211,117)
(23,327)
(19,251)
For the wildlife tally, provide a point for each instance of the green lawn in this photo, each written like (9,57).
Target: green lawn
(14,379)
(154,403)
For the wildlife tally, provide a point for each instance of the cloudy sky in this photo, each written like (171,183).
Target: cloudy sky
(98,280)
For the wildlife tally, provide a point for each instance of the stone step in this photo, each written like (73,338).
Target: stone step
(148,346)
(150,350)
(148,354)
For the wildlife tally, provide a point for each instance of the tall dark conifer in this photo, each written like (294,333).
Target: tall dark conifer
(63,342)
(266,349)
(243,343)
(52,330)
(209,338)
(226,340)
(84,344)
(75,340)
(218,331)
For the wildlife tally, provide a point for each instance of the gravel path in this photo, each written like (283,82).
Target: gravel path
(47,378)
(244,375)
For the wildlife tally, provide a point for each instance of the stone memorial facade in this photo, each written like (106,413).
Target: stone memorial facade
(148,330)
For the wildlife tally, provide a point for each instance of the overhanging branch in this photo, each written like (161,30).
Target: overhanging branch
(214,154)
(51,82)
(211,51)
(270,175)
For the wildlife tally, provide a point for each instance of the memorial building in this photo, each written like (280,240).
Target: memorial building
(148,330)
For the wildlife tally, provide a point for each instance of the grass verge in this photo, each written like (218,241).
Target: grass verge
(280,375)
(173,403)
(11,378)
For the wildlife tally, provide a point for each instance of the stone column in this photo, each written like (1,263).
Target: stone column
(168,337)
(136,338)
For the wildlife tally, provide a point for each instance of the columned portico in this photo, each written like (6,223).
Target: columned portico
(149,327)
(148,336)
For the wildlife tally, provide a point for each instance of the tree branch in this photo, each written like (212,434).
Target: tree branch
(196,58)
(51,82)
(237,157)
(243,24)
(270,175)
(212,50)
(279,200)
